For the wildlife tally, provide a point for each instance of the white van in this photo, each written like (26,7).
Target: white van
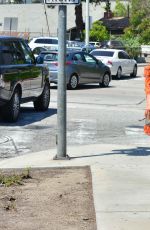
(95,44)
(46,42)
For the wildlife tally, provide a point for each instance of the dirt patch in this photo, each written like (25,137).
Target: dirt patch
(53,199)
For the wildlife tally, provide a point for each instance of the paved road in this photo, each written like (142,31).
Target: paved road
(94,115)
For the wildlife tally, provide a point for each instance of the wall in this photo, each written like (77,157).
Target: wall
(31,17)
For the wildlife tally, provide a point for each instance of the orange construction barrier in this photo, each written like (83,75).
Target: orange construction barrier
(147,92)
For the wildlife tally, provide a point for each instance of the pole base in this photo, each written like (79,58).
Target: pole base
(61,158)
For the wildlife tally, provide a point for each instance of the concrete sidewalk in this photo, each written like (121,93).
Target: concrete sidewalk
(120,176)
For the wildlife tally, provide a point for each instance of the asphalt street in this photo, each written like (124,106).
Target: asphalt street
(113,115)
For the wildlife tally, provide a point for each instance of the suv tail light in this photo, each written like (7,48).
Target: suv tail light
(109,63)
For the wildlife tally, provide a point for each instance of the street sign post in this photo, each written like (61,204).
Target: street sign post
(61,84)
(87,27)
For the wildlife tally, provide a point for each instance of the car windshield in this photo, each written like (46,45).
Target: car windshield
(103,53)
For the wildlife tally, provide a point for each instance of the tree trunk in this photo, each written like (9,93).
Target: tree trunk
(79,21)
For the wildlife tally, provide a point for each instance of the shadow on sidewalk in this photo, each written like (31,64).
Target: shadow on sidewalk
(139,152)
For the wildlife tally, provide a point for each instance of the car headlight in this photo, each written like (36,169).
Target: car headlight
(2,83)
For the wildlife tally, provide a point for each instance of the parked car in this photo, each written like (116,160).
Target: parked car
(21,79)
(112,44)
(81,68)
(119,61)
(74,43)
(95,44)
(88,48)
(36,51)
(145,50)
(76,48)
(46,42)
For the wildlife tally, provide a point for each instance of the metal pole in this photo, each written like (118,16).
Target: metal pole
(61,91)
(87,26)
(46,19)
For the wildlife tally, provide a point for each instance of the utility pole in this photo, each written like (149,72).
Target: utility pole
(61,84)
(87,26)
(46,20)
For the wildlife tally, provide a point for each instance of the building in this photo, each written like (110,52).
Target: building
(30,20)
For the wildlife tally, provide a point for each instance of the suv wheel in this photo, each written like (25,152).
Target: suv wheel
(11,110)
(42,102)
(105,81)
(119,73)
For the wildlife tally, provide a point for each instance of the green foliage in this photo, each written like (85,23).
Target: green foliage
(15,179)
(139,28)
(137,18)
(120,9)
(144,31)
(9,180)
(108,5)
(132,44)
(98,32)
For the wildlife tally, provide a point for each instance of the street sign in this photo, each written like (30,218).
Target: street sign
(62,2)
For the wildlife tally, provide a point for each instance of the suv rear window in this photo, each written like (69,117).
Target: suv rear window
(46,41)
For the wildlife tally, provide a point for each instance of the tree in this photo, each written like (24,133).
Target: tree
(79,18)
(144,31)
(139,21)
(120,9)
(108,6)
(139,10)
(132,44)
(98,32)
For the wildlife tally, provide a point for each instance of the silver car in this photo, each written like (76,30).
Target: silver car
(119,62)
(80,68)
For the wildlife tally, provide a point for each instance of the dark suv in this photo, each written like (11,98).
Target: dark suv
(22,79)
(112,44)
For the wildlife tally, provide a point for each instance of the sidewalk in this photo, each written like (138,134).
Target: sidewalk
(120,176)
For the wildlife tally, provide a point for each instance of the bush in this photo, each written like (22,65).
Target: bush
(98,32)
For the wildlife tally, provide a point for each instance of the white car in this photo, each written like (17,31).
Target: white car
(95,44)
(45,42)
(119,62)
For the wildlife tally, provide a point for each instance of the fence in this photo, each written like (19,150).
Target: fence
(29,35)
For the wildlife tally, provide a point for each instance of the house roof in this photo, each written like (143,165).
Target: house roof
(115,23)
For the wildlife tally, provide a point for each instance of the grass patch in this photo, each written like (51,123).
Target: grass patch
(9,180)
